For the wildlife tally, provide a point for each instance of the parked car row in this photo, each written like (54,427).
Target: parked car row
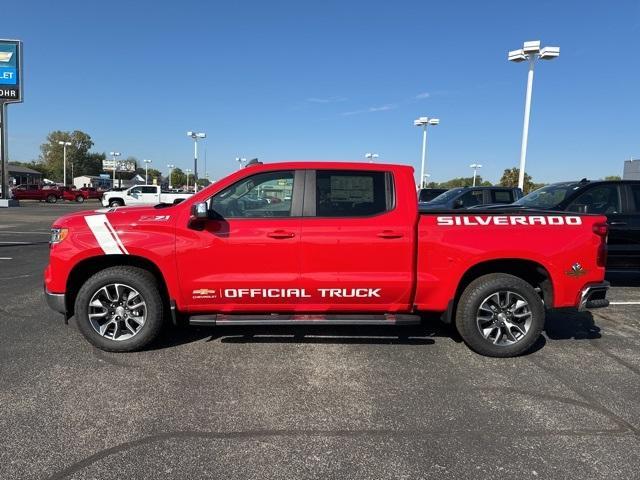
(618,200)
(52,193)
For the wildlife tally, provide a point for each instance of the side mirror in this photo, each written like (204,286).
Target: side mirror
(458,203)
(200,211)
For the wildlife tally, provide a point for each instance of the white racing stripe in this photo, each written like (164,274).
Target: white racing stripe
(106,235)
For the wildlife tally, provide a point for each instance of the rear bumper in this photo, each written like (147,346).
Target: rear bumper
(56,301)
(594,296)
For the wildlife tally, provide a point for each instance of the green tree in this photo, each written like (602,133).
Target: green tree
(178,178)
(460,182)
(152,172)
(51,154)
(612,177)
(510,179)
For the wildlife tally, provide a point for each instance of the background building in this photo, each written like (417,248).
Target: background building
(631,170)
(19,175)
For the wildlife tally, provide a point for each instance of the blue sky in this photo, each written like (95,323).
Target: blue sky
(333,80)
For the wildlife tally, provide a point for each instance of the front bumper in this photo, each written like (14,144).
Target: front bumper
(594,296)
(56,301)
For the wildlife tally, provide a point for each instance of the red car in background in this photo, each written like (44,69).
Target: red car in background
(92,192)
(73,195)
(48,193)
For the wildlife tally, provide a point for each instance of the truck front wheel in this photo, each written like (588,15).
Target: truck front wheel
(116,203)
(119,309)
(500,315)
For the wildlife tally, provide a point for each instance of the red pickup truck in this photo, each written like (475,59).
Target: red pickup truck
(49,193)
(345,244)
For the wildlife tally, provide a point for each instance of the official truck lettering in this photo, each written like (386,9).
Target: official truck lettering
(287,293)
(478,220)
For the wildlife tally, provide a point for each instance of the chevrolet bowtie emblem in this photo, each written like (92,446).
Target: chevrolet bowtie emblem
(5,57)
(576,270)
(203,291)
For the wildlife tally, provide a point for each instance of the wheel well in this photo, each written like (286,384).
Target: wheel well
(90,266)
(530,271)
(116,198)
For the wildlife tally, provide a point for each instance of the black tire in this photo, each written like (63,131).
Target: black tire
(51,198)
(116,202)
(469,307)
(142,281)
(79,199)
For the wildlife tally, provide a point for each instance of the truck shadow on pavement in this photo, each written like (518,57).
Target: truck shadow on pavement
(560,325)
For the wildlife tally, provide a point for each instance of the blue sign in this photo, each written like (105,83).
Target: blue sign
(8,64)
(10,71)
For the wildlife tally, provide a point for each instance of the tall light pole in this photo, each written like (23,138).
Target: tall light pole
(187,171)
(241,161)
(146,171)
(113,156)
(64,161)
(424,180)
(424,122)
(530,52)
(196,136)
(170,167)
(371,156)
(475,167)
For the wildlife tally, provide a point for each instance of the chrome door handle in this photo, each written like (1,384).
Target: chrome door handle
(390,234)
(280,234)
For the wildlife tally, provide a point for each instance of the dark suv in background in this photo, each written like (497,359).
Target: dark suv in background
(470,197)
(619,200)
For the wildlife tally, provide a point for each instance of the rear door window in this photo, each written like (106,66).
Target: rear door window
(601,199)
(344,193)
(472,198)
(502,196)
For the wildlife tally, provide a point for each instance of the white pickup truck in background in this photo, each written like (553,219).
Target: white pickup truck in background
(142,195)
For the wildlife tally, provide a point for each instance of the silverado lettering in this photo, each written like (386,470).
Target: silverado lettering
(319,242)
(509,220)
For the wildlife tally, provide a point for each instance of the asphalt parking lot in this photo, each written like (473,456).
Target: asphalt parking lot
(405,402)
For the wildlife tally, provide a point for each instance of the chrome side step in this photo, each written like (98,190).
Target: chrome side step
(305,319)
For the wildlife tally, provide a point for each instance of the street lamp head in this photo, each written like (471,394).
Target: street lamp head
(201,135)
(147,161)
(196,135)
(114,154)
(64,143)
(421,121)
(475,165)
(516,56)
(531,46)
(171,166)
(549,53)
(434,121)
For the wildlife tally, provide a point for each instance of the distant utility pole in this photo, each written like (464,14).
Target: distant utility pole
(424,122)
(196,136)
(64,161)
(475,167)
(114,155)
(146,171)
(170,167)
(530,52)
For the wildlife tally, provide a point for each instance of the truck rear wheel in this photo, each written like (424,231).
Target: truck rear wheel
(116,203)
(51,198)
(79,198)
(500,315)
(119,309)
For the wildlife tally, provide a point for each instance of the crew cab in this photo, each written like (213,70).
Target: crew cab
(142,195)
(48,193)
(346,244)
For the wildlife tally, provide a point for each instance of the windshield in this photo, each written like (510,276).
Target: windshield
(549,196)
(446,196)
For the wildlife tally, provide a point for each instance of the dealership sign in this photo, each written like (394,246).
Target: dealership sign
(121,165)
(10,71)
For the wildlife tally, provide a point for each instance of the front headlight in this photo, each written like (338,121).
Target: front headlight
(58,235)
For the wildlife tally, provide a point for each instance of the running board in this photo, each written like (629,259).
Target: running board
(305,319)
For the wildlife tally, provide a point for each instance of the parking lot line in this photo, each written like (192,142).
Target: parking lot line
(33,232)
(6,258)
(624,303)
